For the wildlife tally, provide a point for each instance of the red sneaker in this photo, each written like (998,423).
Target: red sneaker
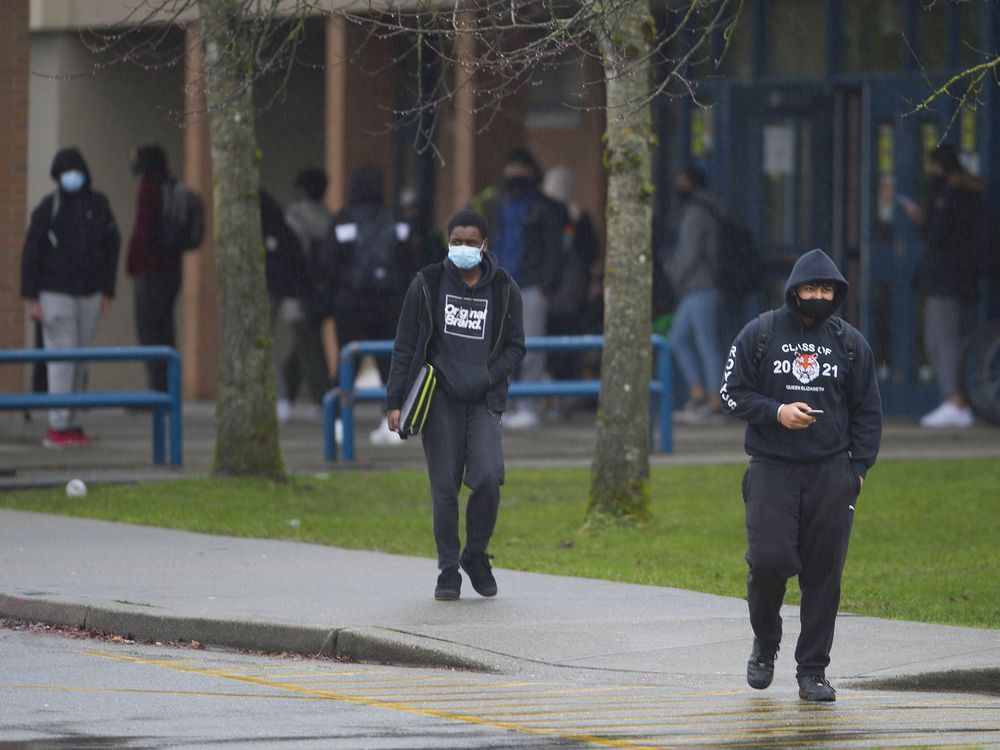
(77,436)
(58,439)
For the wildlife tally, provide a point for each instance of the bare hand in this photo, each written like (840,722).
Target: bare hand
(105,305)
(914,212)
(393,417)
(794,417)
(35,310)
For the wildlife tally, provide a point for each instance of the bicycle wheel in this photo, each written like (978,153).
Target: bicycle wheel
(981,372)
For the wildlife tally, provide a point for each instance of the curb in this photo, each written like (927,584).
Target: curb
(376,645)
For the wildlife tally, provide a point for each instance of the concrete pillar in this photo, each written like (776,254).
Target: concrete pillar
(199,298)
(335,113)
(16,45)
(463,158)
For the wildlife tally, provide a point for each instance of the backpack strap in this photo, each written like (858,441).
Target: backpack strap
(849,334)
(765,327)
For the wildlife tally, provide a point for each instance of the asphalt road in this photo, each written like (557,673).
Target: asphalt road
(76,692)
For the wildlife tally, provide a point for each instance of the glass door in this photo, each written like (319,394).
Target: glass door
(895,155)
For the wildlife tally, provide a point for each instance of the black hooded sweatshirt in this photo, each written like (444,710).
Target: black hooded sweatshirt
(474,337)
(808,364)
(73,242)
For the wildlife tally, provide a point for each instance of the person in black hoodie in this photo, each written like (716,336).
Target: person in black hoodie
(365,267)
(528,243)
(462,315)
(804,381)
(68,272)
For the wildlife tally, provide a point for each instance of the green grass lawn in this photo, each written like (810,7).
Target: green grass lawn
(925,543)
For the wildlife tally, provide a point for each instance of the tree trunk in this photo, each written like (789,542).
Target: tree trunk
(246,422)
(620,468)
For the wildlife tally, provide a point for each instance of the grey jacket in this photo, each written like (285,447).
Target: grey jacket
(695,259)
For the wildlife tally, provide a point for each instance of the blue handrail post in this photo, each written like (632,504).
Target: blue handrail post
(347,394)
(662,348)
(158,437)
(331,404)
(176,417)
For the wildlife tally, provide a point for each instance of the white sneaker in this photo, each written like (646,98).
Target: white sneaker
(522,419)
(382,435)
(284,410)
(948,415)
(690,413)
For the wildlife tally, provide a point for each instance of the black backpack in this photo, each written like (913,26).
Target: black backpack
(377,262)
(182,221)
(738,268)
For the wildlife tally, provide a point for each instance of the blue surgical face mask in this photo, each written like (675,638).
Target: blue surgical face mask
(72,180)
(465,257)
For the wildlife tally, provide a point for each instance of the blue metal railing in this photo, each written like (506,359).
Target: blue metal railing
(160,403)
(340,401)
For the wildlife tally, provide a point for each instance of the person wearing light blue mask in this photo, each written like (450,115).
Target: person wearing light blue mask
(68,273)
(466,257)
(463,316)
(72,180)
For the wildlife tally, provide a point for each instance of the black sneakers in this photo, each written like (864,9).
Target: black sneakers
(449,585)
(812,687)
(477,567)
(760,668)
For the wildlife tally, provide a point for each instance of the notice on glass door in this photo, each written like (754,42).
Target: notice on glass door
(779,149)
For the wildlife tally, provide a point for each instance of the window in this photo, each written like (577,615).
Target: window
(796,37)
(556,91)
(871,34)
(933,48)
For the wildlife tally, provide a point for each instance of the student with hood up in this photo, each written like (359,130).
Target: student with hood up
(804,382)
(68,272)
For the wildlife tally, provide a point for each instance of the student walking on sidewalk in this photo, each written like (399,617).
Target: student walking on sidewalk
(804,381)
(463,316)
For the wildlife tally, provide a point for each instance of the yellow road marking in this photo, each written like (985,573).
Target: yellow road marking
(140,691)
(605,723)
(475,720)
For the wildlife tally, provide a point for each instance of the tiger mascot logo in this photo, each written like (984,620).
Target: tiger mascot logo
(805,367)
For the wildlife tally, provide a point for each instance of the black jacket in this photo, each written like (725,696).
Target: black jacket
(949,265)
(543,255)
(284,258)
(72,243)
(809,364)
(416,329)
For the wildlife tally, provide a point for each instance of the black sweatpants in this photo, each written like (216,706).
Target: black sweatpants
(462,442)
(798,518)
(155,294)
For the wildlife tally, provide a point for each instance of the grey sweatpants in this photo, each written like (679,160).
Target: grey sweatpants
(462,442)
(943,340)
(69,324)
(534,310)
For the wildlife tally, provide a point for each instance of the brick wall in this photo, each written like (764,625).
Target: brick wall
(14,41)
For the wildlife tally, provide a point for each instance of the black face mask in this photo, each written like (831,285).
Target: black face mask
(518,185)
(817,308)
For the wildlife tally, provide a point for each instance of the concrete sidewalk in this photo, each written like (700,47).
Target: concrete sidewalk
(155,584)
(281,596)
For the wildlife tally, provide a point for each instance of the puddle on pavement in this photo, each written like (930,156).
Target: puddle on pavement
(977,681)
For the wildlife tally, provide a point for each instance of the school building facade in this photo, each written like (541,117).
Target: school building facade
(806,129)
